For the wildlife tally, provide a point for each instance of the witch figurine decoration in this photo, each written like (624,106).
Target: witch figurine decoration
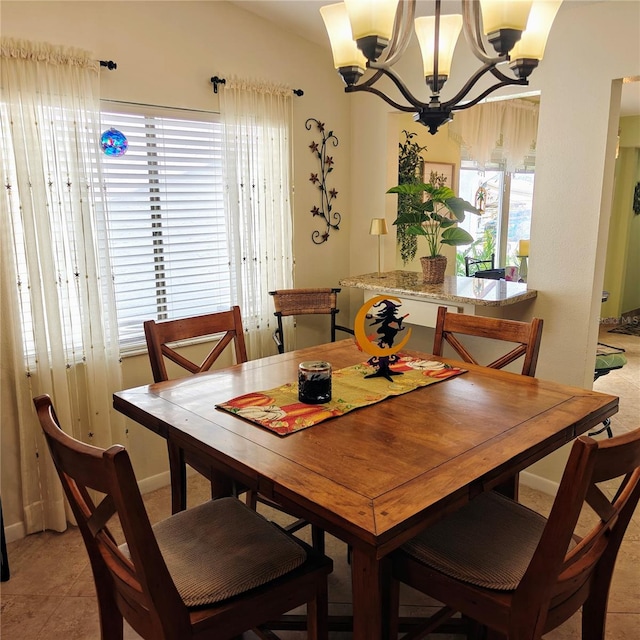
(389,324)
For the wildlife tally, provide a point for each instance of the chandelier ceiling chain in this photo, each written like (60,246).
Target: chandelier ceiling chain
(374,35)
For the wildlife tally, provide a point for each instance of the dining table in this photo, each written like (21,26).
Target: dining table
(376,476)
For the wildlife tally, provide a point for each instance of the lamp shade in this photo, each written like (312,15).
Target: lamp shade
(371,17)
(504,14)
(532,44)
(343,46)
(523,248)
(450,27)
(378,227)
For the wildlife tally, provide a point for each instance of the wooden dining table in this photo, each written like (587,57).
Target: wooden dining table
(378,475)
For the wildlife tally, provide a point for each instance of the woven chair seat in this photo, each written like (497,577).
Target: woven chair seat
(221,549)
(488,543)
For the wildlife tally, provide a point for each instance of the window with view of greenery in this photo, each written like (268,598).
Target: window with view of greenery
(506,199)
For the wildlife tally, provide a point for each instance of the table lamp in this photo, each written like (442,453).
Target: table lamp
(378,228)
(523,254)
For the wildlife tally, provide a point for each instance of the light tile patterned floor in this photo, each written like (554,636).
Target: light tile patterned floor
(51,595)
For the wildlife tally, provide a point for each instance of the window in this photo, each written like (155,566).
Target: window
(506,199)
(168,232)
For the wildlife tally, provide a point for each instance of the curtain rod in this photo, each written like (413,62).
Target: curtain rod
(110,64)
(215,81)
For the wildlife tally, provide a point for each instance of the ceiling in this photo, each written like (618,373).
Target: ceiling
(302,17)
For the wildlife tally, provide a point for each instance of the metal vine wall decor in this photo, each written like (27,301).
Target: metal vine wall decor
(327,196)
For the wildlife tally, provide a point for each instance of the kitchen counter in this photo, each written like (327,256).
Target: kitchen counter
(457,293)
(475,291)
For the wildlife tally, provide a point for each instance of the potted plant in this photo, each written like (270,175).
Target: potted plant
(434,215)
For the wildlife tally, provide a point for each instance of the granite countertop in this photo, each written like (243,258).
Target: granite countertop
(476,291)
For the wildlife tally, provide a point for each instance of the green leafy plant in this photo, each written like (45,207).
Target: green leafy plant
(433,212)
(410,164)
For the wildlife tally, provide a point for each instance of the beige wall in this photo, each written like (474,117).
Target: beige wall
(166,53)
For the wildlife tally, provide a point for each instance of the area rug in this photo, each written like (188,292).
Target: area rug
(628,328)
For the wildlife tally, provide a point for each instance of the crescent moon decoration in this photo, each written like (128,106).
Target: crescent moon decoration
(389,324)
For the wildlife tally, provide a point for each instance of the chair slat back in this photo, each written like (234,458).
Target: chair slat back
(526,335)
(142,582)
(559,574)
(162,336)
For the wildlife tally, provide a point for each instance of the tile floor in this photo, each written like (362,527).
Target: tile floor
(51,596)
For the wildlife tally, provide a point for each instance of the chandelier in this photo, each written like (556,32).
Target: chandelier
(361,31)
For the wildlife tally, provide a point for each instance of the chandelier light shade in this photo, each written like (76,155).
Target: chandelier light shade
(346,54)
(450,27)
(504,22)
(532,44)
(516,29)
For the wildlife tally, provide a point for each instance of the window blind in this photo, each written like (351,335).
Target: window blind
(167,225)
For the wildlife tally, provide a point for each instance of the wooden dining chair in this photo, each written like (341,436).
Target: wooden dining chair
(526,335)
(517,573)
(296,302)
(163,339)
(160,336)
(213,571)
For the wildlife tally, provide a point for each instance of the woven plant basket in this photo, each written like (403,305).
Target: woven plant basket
(433,269)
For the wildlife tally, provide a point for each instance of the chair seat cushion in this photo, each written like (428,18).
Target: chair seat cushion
(223,548)
(489,542)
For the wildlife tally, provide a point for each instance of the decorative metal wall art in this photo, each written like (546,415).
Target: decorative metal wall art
(330,217)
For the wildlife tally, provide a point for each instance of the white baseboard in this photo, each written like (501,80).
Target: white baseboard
(154,482)
(539,483)
(17,530)
(14,532)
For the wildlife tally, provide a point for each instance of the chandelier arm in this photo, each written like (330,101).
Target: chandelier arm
(472,33)
(372,80)
(484,94)
(498,74)
(402,31)
(395,78)
(377,92)
(487,67)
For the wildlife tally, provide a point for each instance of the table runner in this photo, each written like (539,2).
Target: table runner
(280,411)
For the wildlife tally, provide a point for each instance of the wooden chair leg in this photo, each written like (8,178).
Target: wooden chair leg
(317,539)
(318,616)
(394,609)
(252,499)
(178,473)
(594,610)
(111,620)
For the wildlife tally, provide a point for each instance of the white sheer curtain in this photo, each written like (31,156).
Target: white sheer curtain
(503,129)
(257,123)
(59,330)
